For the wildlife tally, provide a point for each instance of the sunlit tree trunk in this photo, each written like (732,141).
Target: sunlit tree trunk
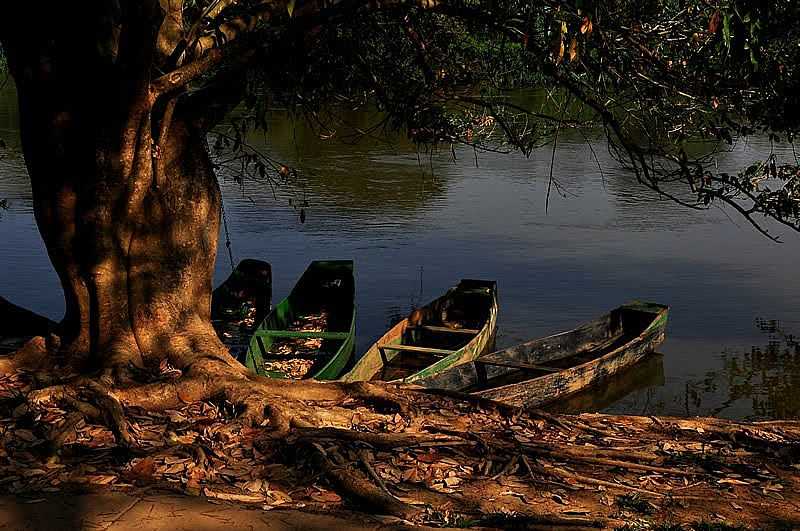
(124,196)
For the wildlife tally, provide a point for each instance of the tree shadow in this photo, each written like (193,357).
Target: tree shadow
(18,325)
(46,512)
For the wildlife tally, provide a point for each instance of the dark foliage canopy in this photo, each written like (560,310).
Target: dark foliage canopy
(671,82)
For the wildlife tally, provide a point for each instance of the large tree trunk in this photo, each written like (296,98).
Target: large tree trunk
(134,249)
(124,193)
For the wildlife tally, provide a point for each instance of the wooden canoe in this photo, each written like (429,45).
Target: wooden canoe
(247,288)
(543,370)
(241,303)
(311,333)
(643,375)
(456,328)
(19,325)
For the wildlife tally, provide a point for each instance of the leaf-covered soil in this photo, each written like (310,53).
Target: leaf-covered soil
(151,510)
(443,461)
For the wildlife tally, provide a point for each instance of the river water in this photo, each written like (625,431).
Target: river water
(416,224)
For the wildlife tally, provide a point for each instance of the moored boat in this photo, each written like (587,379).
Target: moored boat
(628,383)
(240,303)
(543,370)
(18,325)
(311,333)
(456,328)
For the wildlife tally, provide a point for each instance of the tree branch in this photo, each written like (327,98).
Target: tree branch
(207,106)
(170,33)
(265,11)
(182,76)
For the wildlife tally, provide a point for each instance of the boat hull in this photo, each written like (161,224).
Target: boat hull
(606,334)
(374,361)
(646,374)
(325,285)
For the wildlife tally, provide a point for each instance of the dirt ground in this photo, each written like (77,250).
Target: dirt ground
(163,512)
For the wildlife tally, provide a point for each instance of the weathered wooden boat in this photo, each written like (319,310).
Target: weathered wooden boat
(241,303)
(18,325)
(643,375)
(543,370)
(455,328)
(247,290)
(311,333)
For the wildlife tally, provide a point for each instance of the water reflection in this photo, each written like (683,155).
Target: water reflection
(604,242)
(378,183)
(763,380)
(757,383)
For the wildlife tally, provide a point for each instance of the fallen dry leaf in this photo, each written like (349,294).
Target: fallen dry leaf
(326,496)
(142,470)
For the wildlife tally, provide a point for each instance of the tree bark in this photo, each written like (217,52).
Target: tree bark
(126,201)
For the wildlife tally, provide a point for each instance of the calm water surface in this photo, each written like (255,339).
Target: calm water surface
(415,225)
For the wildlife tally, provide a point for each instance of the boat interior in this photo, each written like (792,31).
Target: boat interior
(328,290)
(556,353)
(321,302)
(437,330)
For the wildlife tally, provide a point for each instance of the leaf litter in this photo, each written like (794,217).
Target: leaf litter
(488,461)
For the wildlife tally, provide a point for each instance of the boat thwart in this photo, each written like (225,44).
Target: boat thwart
(311,333)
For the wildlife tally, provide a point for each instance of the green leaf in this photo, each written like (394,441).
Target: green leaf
(726,30)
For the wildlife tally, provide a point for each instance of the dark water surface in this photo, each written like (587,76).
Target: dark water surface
(734,294)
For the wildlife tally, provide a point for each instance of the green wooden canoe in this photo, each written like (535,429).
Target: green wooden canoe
(455,328)
(311,333)
(543,370)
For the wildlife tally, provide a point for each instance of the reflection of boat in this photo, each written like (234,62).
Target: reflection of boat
(309,334)
(547,369)
(456,328)
(645,374)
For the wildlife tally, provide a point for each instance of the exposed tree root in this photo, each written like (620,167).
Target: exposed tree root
(31,357)
(433,457)
(590,481)
(61,432)
(373,494)
(384,441)
(578,456)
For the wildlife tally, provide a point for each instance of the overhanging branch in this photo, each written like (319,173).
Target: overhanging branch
(227,42)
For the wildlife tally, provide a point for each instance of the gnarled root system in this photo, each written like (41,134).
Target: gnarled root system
(208,427)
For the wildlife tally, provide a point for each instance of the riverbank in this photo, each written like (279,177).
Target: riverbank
(153,511)
(442,460)
(432,459)
(18,325)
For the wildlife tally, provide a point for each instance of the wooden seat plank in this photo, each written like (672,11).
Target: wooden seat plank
(301,334)
(411,348)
